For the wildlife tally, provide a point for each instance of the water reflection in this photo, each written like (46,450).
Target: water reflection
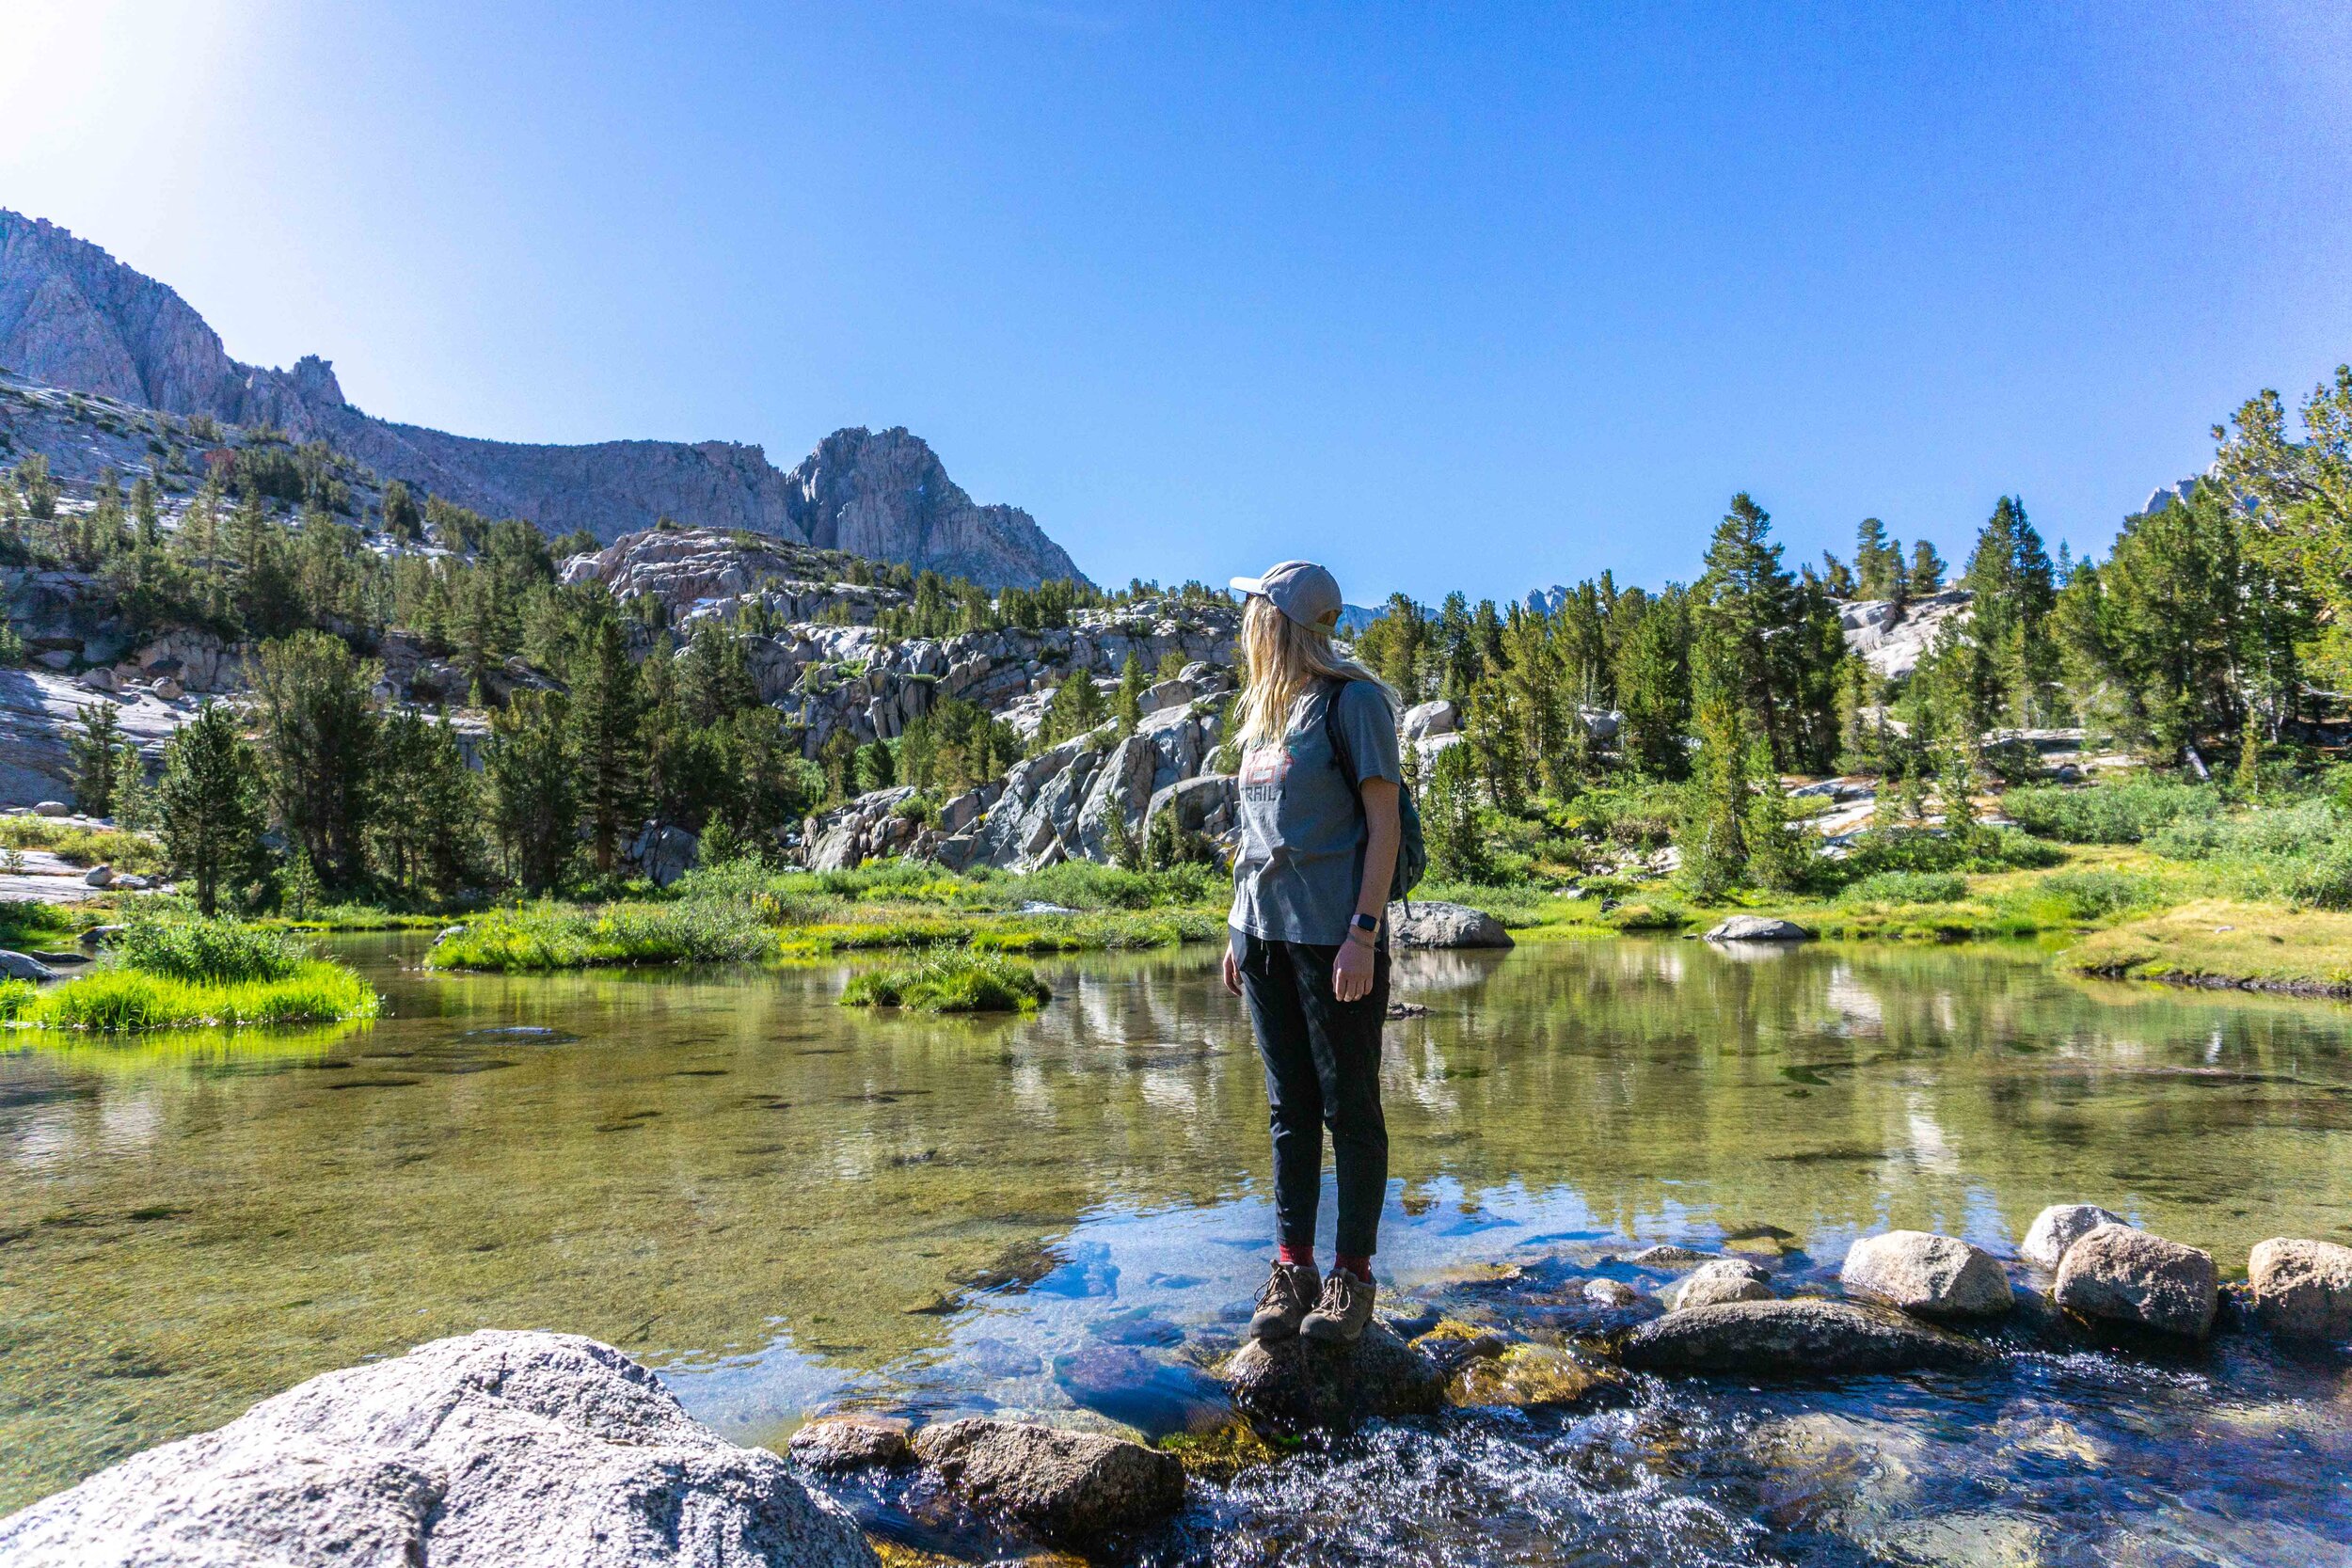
(783,1204)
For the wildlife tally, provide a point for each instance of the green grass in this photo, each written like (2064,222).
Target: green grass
(76,845)
(550,936)
(950,980)
(126,999)
(2225,942)
(30,923)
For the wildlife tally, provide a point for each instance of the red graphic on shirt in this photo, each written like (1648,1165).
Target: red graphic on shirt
(1262,770)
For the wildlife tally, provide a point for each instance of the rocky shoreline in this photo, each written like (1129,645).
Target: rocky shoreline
(532,1447)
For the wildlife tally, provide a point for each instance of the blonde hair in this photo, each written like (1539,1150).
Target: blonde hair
(1286,661)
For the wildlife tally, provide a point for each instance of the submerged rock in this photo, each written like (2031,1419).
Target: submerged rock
(1725,1279)
(1068,1485)
(2121,1275)
(1668,1255)
(495,1450)
(1758,927)
(851,1442)
(1932,1277)
(1294,1384)
(2302,1290)
(1531,1375)
(1794,1338)
(2059,1226)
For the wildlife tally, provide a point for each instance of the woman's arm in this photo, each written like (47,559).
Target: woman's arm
(1352,970)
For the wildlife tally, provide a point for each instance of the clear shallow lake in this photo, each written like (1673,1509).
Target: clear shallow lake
(781,1203)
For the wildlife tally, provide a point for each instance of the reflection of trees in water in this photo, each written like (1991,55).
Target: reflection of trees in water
(703,1164)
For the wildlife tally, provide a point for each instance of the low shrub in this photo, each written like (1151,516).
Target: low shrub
(2301,853)
(1646,914)
(1906,887)
(2120,812)
(181,944)
(2096,894)
(950,980)
(1926,849)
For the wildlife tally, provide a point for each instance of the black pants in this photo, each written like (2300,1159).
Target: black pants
(1322,1061)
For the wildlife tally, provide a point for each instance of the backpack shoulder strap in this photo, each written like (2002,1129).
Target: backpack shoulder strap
(1342,756)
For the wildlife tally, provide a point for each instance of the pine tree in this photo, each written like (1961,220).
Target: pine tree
(319,736)
(1131,685)
(209,804)
(1653,687)
(95,759)
(1877,561)
(146,514)
(606,710)
(1926,573)
(534,805)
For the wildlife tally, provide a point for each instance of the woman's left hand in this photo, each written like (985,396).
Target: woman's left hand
(1351,971)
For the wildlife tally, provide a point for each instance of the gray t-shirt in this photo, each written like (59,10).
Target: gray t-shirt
(1301,863)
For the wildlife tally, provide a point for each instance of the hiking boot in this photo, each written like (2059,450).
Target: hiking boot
(1342,1310)
(1283,1301)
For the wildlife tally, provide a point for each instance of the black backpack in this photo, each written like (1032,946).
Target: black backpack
(1412,849)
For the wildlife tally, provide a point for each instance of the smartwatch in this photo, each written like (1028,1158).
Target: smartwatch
(1368,923)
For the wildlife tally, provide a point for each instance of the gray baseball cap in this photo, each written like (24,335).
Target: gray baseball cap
(1300,590)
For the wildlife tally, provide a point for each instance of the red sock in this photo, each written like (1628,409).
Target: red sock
(1296,1257)
(1359,1267)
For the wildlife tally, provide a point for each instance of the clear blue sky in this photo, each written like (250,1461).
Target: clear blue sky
(1478,295)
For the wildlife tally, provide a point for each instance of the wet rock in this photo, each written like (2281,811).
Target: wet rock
(2121,1276)
(495,1450)
(1932,1277)
(1794,1338)
(1758,927)
(1536,1375)
(1668,1255)
(1611,1293)
(2302,1290)
(1067,1485)
(2059,1226)
(1442,924)
(852,1442)
(1725,1279)
(24,966)
(1295,1384)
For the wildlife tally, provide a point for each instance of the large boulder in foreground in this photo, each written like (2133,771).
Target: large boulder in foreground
(1432,924)
(1794,1338)
(494,1449)
(1295,1384)
(851,1442)
(2059,1226)
(1928,1276)
(2302,1290)
(2121,1276)
(1065,1485)
(1725,1279)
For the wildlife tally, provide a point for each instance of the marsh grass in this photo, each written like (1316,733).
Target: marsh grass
(177,944)
(128,999)
(950,980)
(550,936)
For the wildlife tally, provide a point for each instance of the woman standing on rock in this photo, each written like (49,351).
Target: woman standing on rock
(1320,828)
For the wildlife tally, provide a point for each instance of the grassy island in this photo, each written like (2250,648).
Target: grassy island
(171,968)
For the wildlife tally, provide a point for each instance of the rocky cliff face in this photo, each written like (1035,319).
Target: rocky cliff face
(73,316)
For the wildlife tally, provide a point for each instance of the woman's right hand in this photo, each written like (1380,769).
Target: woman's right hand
(1232,972)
